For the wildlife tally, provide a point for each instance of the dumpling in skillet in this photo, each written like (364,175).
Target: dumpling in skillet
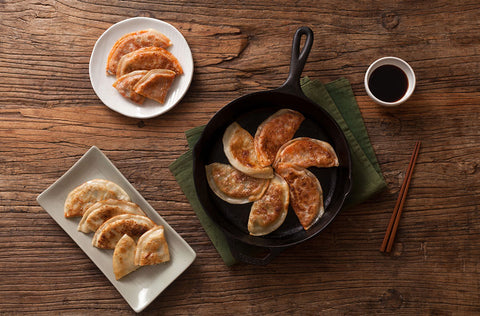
(268,213)
(102,211)
(90,192)
(152,247)
(275,131)
(110,232)
(234,186)
(126,83)
(133,41)
(238,147)
(155,84)
(306,194)
(124,257)
(306,152)
(148,58)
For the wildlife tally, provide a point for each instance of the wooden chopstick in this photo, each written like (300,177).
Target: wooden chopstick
(389,238)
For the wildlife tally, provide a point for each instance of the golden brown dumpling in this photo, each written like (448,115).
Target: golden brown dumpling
(155,84)
(110,232)
(234,186)
(148,58)
(126,83)
(306,195)
(238,147)
(306,152)
(90,192)
(102,211)
(152,247)
(134,41)
(124,257)
(268,213)
(275,131)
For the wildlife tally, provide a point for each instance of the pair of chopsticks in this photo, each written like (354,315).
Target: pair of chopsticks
(387,243)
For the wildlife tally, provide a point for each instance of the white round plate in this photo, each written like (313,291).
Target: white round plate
(102,84)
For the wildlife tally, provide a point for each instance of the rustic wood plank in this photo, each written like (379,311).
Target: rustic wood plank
(50,115)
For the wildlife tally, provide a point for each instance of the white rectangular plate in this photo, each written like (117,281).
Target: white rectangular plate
(140,287)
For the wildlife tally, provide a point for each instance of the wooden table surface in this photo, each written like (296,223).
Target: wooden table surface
(50,116)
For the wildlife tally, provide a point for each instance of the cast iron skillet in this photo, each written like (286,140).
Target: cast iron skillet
(249,111)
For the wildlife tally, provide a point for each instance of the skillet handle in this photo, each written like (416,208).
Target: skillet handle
(297,61)
(252,254)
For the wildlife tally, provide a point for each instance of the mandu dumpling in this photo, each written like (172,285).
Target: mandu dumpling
(124,257)
(239,149)
(306,152)
(148,58)
(268,213)
(102,211)
(90,192)
(234,186)
(110,232)
(155,84)
(275,131)
(133,41)
(126,83)
(152,247)
(306,194)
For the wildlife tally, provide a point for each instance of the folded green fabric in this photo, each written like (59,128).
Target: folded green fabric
(338,100)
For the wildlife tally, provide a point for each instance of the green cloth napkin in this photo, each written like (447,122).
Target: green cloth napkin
(338,100)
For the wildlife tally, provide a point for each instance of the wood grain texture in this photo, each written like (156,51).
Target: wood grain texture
(50,115)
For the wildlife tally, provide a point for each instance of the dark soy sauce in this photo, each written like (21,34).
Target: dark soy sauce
(388,83)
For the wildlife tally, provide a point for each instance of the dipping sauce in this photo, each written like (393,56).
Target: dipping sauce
(388,83)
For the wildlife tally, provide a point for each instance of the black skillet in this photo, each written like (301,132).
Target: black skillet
(249,111)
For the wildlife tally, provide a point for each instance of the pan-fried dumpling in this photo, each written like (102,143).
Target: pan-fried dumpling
(148,58)
(152,247)
(238,147)
(155,84)
(234,186)
(126,83)
(275,131)
(110,232)
(133,41)
(306,195)
(306,152)
(90,192)
(268,213)
(124,257)
(101,211)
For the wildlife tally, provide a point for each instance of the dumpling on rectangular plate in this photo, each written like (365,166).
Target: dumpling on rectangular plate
(155,84)
(133,41)
(148,58)
(152,247)
(124,257)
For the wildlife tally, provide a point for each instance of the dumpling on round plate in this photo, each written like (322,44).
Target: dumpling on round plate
(306,194)
(148,58)
(155,84)
(90,192)
(133,41)
(268,213)
(126,83)
(103,210)
(152,247)
(306,152)
(110,232)
(124,257)
(275,131)
(239,149)
(234,186)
